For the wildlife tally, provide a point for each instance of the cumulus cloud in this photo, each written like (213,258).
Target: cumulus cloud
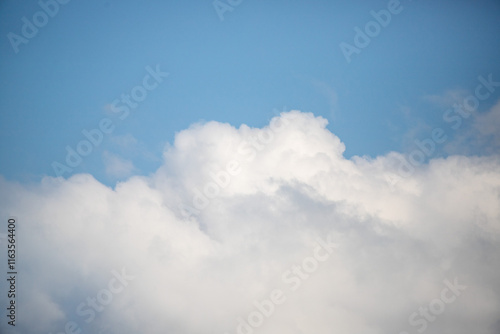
(277,211)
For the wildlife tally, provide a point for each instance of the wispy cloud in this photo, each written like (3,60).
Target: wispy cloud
(448,98)
(481,136)
(116,166)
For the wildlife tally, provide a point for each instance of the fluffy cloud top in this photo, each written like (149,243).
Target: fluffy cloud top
(236,216)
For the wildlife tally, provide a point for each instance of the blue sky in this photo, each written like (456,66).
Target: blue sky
(263,57)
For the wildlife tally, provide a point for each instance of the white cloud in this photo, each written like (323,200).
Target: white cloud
(125,141)
(448,98)
(481,134)
(488,125)
(116,166)
(198,275)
